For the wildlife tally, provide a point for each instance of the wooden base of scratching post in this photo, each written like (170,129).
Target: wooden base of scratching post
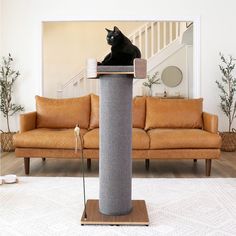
(138,215)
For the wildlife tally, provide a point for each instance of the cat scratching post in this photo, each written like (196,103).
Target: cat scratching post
(115,164)
(115,205)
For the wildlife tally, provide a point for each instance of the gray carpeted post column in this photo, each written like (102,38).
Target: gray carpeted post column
(115,164)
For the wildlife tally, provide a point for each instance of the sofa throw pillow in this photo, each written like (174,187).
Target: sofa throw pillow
(63,113)
(138,115)
(173,113)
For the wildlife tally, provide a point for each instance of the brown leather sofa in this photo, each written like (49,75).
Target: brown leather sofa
(162,129)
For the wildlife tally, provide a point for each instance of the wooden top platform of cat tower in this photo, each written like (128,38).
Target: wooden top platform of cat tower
(138,70)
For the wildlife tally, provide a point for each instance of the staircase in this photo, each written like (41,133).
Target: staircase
(156,41)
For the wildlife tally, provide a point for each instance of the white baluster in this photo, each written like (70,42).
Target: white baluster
(146,42)
(170,32)
(134,37)
(176,30)
(158,36)
(140,40)
(164,34)
(152,39)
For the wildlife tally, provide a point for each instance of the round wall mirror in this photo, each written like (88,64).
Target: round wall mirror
(171,76)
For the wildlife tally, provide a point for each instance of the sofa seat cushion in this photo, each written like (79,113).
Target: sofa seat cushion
(183,138)
(91,139)
(47,138)
(140,139)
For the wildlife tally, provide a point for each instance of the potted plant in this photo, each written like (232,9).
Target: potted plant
(151,80)
(8,77)
(227,88)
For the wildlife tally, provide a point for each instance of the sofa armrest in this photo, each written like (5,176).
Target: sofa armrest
(28,121)
(210,122)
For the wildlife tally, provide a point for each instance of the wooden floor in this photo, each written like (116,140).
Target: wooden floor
(225,167)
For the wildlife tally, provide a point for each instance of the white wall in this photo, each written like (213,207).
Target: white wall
(0,28)
(1,115)
(22,21)
(189,68)
(177,59)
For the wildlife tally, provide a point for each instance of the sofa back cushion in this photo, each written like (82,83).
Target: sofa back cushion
(173,113)
(94,117)
(139,104)
(63,113)
(139,112)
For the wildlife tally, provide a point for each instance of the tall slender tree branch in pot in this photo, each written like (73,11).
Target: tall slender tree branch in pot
(227,87)
(8,77)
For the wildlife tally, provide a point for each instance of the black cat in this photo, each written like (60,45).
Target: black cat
(122,52)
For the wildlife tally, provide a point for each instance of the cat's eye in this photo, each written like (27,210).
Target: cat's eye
(112,37)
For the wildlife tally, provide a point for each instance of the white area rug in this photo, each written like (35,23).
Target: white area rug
(39,206)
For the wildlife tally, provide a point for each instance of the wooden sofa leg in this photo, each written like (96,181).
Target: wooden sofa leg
(44,159)
(27,165)
(89,163)
(147,164)
(194,160)
(208,167)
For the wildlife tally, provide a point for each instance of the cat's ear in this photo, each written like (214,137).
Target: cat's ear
(116,29)
(108,30)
